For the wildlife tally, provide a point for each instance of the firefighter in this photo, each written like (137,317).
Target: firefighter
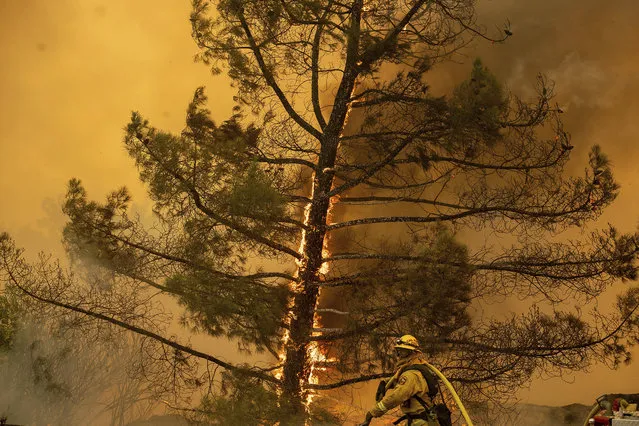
(407,388)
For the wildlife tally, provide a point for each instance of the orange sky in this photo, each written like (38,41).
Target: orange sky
(72,71)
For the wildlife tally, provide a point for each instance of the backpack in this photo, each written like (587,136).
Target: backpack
(440,410)
(443,415)
(431,380)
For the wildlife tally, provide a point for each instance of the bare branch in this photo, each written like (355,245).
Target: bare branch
(270,79)
(249,371)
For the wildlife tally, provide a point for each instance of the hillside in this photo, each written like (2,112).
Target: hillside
(541,415)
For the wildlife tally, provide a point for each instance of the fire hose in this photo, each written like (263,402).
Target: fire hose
(452,391)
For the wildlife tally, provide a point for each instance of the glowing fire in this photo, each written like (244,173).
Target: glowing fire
(318,360)
(315,354)
(294,287)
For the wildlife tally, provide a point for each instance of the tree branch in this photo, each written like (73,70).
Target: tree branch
(270,80)
(377,50)
(298,161)
(197,199)
(184,261)
(352,381)
(317,39)
(371,171)
(432,217)
(543,351)
(141,331)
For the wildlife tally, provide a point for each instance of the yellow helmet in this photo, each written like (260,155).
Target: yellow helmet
(407,342)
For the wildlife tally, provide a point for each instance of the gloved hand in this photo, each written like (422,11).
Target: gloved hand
(376,412)
(367,422)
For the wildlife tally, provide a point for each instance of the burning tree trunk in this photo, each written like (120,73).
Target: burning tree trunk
(297,365)
(297,368)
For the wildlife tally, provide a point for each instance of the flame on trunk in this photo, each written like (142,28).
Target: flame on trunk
(318,359)
(294,286)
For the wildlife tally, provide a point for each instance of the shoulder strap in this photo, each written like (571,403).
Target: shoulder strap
(421,401)
(431,380)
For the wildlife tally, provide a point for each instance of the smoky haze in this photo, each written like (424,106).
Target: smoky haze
(587,48)
(72,72)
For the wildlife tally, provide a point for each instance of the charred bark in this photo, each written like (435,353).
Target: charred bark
(297,365)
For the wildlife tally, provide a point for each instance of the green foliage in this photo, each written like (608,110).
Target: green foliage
(254,196)
(429,296)
(234,308)
(218,303)
(9,317)
(212,163)
(619,346)
(602,188)
(438,288)
(205,176)
(244,401)
(87,234)
(623,246)
(478,106)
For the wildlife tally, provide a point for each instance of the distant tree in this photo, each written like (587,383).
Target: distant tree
(254,220)
(9,314)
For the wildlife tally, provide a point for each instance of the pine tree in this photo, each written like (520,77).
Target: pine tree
(354,181)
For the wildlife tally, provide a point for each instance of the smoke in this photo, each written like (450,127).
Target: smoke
(587,49)
(64,378)
(43,382)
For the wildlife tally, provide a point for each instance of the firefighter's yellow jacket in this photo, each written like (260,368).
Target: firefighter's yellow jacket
(400,390)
